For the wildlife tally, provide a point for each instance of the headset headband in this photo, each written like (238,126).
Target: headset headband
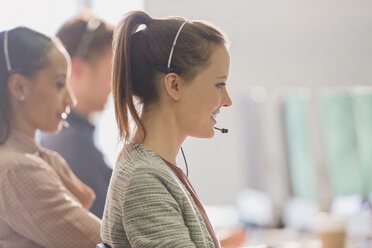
(6,52)
(174,44)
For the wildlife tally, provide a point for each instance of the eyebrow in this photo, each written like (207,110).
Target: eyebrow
(61,76)
(222,77)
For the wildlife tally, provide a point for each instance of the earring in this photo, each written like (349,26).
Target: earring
(22,98)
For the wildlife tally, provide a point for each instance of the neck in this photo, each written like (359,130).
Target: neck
(162,135)
(83,111)
(82,107)
(23,127)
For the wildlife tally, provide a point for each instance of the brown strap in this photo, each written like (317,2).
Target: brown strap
(185,181)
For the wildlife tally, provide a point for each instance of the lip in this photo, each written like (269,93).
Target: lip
(214,114)
(214,120)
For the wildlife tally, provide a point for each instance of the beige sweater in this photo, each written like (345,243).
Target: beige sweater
(147,206)
(41,200)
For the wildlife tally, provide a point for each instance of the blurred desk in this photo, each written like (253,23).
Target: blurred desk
(225,219)
(285,238)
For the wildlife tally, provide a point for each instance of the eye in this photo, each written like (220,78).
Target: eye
(220,85)
(60,85)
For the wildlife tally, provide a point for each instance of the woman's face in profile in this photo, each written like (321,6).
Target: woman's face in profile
(49,97)
(205,95)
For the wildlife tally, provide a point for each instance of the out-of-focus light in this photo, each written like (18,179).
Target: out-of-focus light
(258,94)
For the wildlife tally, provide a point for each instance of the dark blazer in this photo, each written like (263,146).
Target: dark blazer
(76,145)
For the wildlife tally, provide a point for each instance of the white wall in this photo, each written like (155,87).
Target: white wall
(273,43)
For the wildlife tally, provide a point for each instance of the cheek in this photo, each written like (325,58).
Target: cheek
(48,99)
(108,75)
(38,102)
(40,111)
(201,108)
(104,75)
(46,104)
(204,103)
(211,102)
(102,82)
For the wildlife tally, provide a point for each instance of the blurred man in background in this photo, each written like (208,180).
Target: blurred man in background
(88,41)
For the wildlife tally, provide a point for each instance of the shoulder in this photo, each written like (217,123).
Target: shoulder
(149,175)
(21,168)
(138,161)
(140,169)
(14,159)
(20,162)
(55,158)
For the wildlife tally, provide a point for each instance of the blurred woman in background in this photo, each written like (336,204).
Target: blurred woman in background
(42,203)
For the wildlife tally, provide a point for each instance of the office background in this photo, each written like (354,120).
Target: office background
(299,79)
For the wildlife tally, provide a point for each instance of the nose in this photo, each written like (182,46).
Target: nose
(226,102)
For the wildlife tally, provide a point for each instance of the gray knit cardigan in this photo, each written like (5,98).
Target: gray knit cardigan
(147,206)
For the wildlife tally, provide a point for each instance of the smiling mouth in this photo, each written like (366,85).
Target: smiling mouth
(214,116)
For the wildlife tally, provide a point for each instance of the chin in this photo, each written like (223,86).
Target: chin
(210,135)
(206,135)
(100,108)
(52,130)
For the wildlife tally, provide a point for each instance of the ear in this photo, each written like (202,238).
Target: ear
(173,85)
(77,67)
(18,85)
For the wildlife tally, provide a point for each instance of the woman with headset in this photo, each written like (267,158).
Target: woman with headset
(169,80)
(42,202)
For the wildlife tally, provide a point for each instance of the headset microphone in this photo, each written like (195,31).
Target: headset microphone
(65,124)
(222,130)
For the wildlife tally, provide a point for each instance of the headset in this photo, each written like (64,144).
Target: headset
(222,130)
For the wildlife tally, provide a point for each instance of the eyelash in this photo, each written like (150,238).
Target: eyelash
(60,85)
(220,85)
